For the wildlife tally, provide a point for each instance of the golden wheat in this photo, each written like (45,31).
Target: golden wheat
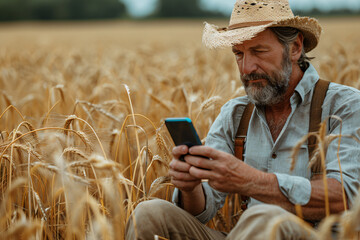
(83,139)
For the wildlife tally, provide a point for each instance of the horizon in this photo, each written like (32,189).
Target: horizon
(142,8)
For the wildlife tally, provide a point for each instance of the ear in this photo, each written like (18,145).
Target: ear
(296,48)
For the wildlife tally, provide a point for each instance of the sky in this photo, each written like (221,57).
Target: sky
(140,8)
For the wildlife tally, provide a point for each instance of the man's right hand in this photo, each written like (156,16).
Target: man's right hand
(179,171)
(192,194)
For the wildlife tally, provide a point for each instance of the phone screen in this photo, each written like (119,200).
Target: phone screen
(182,131)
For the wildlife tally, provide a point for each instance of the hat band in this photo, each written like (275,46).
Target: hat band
(248,24)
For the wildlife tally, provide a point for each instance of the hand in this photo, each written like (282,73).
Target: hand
(179,171)
(224,171)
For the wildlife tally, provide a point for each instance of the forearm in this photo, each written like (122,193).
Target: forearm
(194,201)
(316,209)
(265,188)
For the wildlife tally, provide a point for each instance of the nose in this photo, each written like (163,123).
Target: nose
(247,64)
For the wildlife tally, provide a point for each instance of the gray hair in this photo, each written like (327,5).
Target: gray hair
(286,36)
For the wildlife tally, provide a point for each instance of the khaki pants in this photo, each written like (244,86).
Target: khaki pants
(159,217)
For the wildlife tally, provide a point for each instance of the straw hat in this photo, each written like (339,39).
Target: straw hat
(250,17)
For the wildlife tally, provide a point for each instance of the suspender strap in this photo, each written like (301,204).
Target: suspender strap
(319,94)
(242,131)
(240,144)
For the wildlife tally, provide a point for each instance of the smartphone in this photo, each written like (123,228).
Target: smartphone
(182,131)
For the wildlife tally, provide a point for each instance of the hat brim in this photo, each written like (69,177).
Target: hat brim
(213,37)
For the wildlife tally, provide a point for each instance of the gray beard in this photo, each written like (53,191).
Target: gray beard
(274,90)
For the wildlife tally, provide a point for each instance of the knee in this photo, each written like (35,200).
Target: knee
(151,208)
(156,209)
(265,211)
(260,215)
(255,221)
(145,214)
(149,218)
(274,221)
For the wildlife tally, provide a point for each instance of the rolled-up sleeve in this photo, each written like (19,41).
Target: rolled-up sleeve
(297,189)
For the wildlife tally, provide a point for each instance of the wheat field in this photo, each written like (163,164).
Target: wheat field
(82,109)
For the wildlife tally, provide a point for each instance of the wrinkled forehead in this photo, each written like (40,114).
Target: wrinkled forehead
(265,38)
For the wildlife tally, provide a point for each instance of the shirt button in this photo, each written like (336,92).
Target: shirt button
(274,155)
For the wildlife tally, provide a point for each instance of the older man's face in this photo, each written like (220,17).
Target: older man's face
(265,68)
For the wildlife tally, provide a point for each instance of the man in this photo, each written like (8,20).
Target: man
(269,44)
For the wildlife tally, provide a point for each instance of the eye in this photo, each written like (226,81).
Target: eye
(259,51)
(239,54)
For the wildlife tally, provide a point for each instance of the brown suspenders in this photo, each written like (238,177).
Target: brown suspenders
(315,118)
(242,131)
(319,94)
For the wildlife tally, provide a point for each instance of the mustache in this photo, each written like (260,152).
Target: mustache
(255,76)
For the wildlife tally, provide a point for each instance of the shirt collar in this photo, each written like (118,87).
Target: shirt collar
(308,82)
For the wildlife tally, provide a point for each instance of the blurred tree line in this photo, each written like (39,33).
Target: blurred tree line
(60,9)
(94,9)
(109,9)
(182,8)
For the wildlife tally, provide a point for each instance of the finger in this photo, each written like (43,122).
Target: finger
(182,176)
(199,162)
(178,151)
(180,166)
(205,151)
(203,173)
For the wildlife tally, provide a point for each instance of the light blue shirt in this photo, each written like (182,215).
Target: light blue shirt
(340,100)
